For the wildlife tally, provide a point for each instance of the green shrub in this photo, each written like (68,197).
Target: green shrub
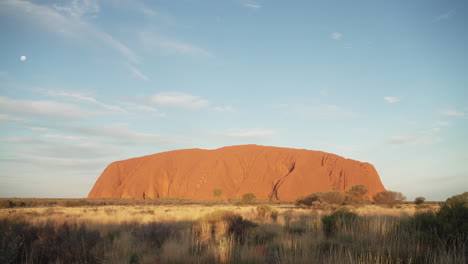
(449,224)
(217,193)
(460,198)
(339,220)
(248,198)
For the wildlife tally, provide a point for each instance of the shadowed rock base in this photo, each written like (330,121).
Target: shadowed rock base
(268,172)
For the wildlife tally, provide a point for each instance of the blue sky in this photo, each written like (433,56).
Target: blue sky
(384,82)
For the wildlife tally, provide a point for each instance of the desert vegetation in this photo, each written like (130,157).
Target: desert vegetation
(234,232)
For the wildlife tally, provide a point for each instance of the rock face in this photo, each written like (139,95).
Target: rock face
(268,172)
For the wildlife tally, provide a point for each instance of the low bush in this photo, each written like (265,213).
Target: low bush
(340,220)
(358,191)
(220,223)
(448,225)
(419,200)
(248,198)
(321,200)
(265,211)
(155,233)
(389,198)
(11,204)
(22,242)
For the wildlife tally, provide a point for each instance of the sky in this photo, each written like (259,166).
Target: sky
(84,83)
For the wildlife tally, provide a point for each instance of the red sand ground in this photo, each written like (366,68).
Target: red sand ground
(268,172)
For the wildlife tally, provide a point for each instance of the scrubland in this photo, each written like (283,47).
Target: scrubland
(223,232)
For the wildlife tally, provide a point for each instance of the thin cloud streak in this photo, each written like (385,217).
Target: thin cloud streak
(67,22)
(160,44)
(252,5)
(138,74)
(336,35)
(391,99)
(247,133)
(444,16)
(452,112)
(178,99)
(81,97)
(43,108)
(62,137)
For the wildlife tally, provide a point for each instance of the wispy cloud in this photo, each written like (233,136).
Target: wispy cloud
(68,21)
(145,108)
(442,123)
(8,118)
(42,108)
(253,5)
(38,129)
(247,133)
(316,111)
(154,42)
(226,108)
(62,137)
(400,139)
(20,140)
(136,73)
(428,137)
(336,35)
(178,99)
(391,99)
(444,16)
(142,8)
(81,97)
(78,8)
(122,132)
(452,112)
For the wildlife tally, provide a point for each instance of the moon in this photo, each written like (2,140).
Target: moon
(23,58)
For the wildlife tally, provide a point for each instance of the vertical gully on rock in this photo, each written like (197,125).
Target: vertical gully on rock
(274,192)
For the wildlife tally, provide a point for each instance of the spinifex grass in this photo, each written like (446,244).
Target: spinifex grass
(214,234)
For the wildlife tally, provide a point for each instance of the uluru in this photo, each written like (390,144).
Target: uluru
(268,172)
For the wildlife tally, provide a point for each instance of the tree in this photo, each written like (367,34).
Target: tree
(217,193)
(419,200)
(332,197)
(358,191)
(248,198)
(389,198)
(461,198)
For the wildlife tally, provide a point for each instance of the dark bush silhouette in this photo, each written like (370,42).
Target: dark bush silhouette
(448,225)
(419,200)
(329,197)
(155,233)
(460,198)
(223,223)
(340,220)
(66,243)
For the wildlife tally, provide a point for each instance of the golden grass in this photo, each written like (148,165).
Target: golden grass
(188,236)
